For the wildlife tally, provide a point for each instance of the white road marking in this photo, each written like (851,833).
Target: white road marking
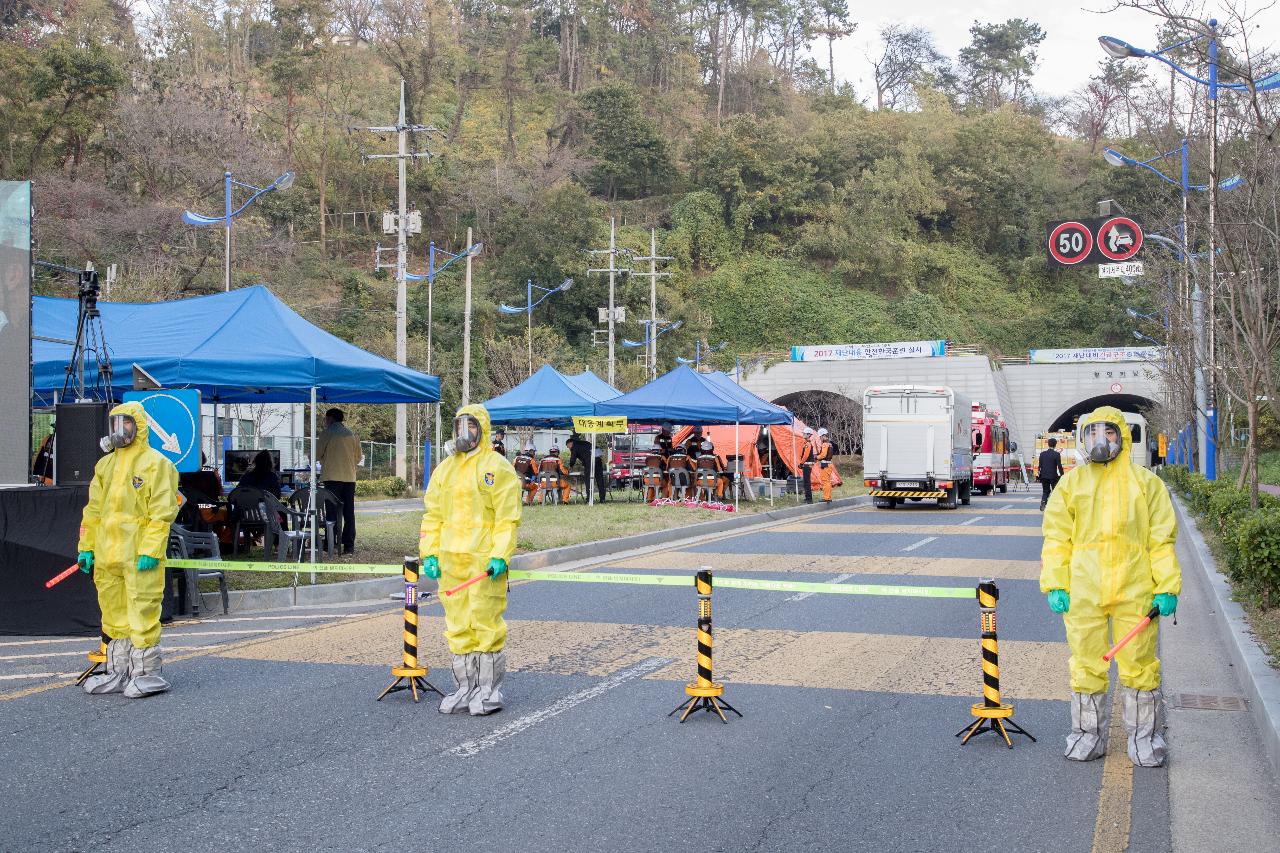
(170,629)
(801,596)
(973,520)
(1006,506)
(475,747)
(38,675)
(916,545)
(167,647)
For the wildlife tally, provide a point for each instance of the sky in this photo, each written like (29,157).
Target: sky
(1068,55)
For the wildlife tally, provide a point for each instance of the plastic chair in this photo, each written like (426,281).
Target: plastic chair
(328,507)
(681,476)
(549,481)
(198,544)
(247,514)
(284,537)
(707,479)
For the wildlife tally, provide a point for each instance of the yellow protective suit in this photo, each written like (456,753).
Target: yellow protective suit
(472,512)
(133,498)
(1109,531)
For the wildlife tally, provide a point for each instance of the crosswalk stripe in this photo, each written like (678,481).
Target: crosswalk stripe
(881,663)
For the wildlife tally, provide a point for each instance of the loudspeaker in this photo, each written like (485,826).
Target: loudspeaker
(77,430)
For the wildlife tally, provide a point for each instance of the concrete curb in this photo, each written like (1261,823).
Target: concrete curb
(344,592)
(1260,682)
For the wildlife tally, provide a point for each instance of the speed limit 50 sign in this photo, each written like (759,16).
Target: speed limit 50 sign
(1094,241)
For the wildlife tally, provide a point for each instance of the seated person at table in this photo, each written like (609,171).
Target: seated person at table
(693,444)
(552,465)
(262,475)
(205,481)
(680,461)
(708,461)
(525,466)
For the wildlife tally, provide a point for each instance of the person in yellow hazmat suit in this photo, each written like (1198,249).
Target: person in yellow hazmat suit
(1109,532)
(124,533)
(472,512)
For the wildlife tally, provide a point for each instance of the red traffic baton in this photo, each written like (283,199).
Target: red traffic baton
(61,576)
(1153,613)
(467,583)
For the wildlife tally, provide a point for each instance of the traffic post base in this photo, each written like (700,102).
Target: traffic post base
(409,675)
(991,714)
(704,693)
(97,661)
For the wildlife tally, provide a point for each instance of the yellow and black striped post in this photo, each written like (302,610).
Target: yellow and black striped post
(96,659)
(704,693)
(410,672)
(991,714)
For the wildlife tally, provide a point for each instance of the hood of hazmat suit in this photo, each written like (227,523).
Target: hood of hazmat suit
(1109,531)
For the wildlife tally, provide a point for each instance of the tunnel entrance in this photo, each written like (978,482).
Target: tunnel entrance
(1123,402)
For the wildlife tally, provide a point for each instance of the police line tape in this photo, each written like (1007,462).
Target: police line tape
(721,582)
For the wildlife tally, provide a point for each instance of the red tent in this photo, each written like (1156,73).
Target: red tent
(788,443)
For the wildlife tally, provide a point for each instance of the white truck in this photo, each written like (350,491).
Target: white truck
(915,445)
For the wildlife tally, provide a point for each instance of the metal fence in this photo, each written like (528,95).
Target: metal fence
(377,458)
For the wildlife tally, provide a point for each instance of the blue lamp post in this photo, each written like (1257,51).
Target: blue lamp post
(1119,49)
(529,305)
(201,221)
(653,338)
(430,279)
(699,350)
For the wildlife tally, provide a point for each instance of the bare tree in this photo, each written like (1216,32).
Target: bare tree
(907,56)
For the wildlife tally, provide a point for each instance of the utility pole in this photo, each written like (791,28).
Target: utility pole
(402,156)
(613,270)
(466,331)
(651,336)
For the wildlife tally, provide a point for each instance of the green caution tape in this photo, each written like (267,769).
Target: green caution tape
(293,568)
(598,577)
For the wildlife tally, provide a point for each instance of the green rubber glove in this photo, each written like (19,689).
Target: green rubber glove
(146,564)
(1059,600)
(85,559)
(431,567)
(496,567)
(1167,602)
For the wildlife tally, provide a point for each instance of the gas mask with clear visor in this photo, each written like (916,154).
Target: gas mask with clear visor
(122,430)
(1100,441)
(466,434)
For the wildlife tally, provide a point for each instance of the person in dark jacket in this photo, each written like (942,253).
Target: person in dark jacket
(1049,471)
(262,475)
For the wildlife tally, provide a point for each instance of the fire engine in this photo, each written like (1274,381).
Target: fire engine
(989,436)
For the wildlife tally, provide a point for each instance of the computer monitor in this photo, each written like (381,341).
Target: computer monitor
(239,461)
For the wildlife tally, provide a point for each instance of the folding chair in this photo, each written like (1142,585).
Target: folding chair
(198,544)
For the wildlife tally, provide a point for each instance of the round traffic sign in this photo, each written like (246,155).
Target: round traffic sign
(1119,238)
(1070,243)
(1116,387)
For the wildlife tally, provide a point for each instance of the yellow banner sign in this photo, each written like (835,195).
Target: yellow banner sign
(1163,450)
(592,424)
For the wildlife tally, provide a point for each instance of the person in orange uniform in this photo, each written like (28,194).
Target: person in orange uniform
(709,461)
(826,471)
(552,462)
(525,465)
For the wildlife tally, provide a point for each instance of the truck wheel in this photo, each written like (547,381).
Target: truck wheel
(1004,487)
(949,502)
(966,493)
(884,503)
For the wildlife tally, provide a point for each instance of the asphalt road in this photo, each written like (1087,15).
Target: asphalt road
(271,739)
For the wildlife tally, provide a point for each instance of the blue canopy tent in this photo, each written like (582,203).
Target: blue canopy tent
(245,346)
(685,396)
(548,399)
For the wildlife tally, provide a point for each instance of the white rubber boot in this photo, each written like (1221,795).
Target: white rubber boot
(488,696)
(147,673)
(465,673)
(117,674)
(1144,723)
(1088,738)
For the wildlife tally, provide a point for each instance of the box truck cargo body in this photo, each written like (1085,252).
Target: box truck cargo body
(916,444)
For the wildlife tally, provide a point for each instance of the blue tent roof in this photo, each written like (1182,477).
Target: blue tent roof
(548,398)
(245,346)
(685,396)
(726,383)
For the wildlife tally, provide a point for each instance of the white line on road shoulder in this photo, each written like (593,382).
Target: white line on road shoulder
(973,520)
(1006,506)
(916,545)
(475,747)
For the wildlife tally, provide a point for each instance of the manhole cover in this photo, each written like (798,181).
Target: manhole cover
(1206,702)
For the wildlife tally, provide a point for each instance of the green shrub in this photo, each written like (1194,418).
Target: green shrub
(389,487)
(1257,558)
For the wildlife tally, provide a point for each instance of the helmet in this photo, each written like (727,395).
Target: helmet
(554,451)
(707,447)
(528,447)
(808,431)
(822,432)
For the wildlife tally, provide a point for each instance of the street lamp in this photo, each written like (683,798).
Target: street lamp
(529,305)
(1119,49)
(699,350)
(430,279)
(283,182)
(652,339)
(1143,337)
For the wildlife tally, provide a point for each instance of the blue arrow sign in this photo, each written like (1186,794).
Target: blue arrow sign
(173,418)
